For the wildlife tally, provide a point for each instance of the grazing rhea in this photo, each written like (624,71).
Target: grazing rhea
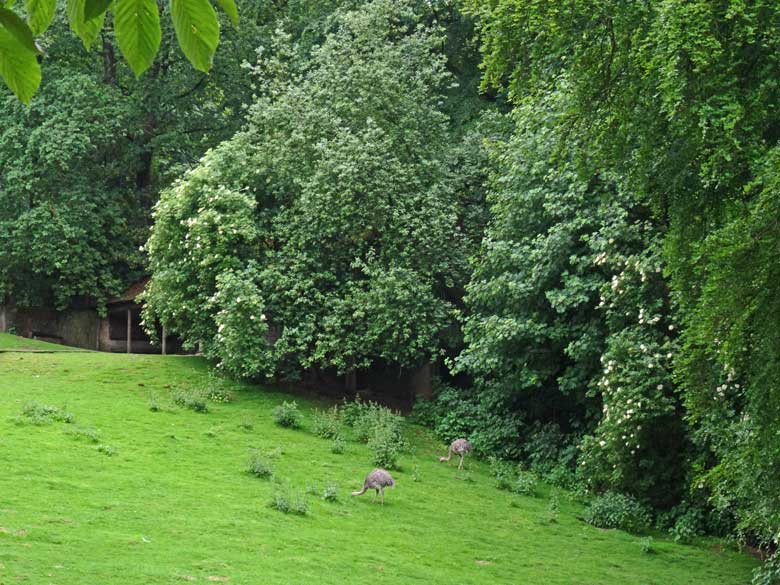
(377,480)
(460,447)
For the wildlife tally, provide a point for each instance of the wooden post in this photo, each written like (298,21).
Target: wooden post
(97,333)
(163,340)
(2,319)
(129,331)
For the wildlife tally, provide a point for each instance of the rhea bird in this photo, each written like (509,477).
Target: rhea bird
(377,480)
(459,447)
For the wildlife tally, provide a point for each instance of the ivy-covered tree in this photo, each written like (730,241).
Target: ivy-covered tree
(334,211)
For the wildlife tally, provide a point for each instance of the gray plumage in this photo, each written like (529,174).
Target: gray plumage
(460,447)
(377,480)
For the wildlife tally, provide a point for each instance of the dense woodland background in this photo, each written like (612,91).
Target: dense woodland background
(573,208)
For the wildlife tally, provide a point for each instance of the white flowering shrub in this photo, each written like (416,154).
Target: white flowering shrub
(635,446)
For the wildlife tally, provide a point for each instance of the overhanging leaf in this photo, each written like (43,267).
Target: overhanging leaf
(14,24)
(229,6)
(40,14)
(94,8)
(87,30)
(18,67)
(197,29)
(137,25)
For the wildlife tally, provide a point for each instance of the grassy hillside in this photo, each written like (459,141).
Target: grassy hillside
(174,505)
(14,342)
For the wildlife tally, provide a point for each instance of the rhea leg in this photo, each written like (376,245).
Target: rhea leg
(382,491)
(373,499)
(460,465)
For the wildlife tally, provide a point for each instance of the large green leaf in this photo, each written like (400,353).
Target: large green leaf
(18,67)
(40,14)
(87,30)
(197,29)
(94,8)
(229,6)
(14,24)
(137,26)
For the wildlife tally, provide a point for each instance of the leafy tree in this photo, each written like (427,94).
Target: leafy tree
(80,168)
(677,99)
(333,212)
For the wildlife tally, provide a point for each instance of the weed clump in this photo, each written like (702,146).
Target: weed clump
(107,450)
(88,433)
(288,415)
(327,423)
(258,466)
(154,403)
(338,446)
(190,399)
(330,493)
(42,414)
(218,389)
(288,502)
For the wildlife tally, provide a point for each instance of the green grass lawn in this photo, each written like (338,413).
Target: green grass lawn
(174,505)
(14,342)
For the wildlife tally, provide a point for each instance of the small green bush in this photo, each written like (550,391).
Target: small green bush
(191,399)
(154,404)
(647,545)
(106,450)
(553,509)
(687,527)
(385,446)
(288,415)
(88,433)
(365,417)
(524,484)
(330,493)
(613,510)
(327,423)
(218,389)
(503,472)
(258,466)
(338,446)
(287,502)
(42,414)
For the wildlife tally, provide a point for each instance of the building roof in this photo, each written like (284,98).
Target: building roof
(129,296)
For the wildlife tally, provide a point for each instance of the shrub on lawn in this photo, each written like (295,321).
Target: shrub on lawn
(288,502)
(88,433)
(524,484)
(106,450)
(613,510)
(338,446)
(385,446)
(154,403)
(288,415)
(258,466)
(330,493)
(218,389)
(192,399)
(503,472)
(42,414)
(327,423)
(365,417)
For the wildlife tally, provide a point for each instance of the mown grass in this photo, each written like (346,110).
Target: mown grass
(14,342)
(174,502)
